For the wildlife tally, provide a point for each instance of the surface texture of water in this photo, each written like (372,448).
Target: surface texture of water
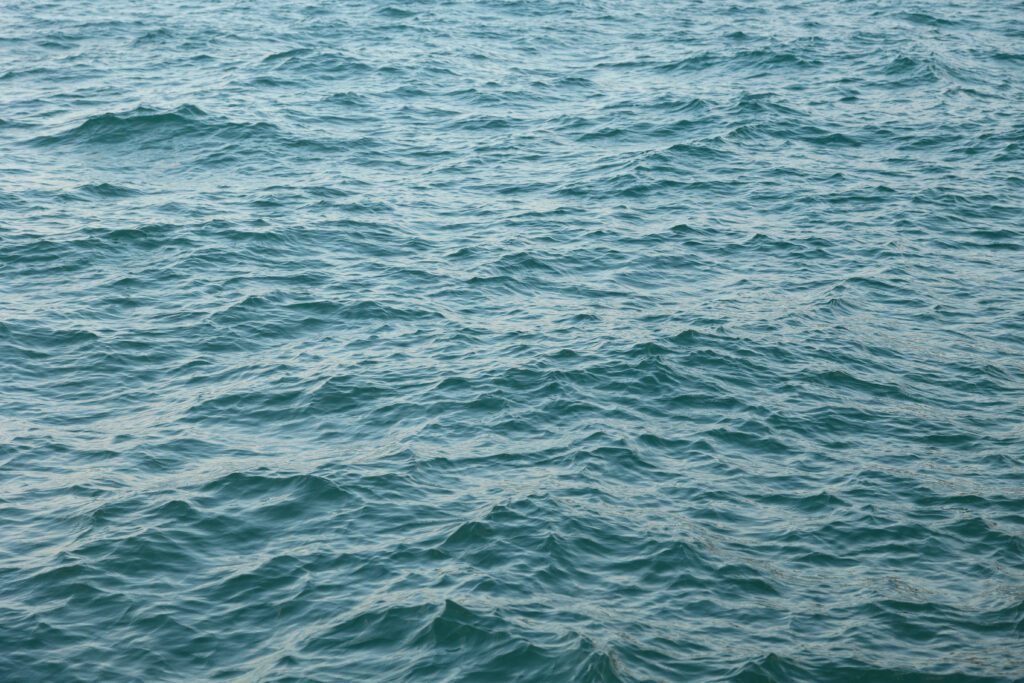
(512,341)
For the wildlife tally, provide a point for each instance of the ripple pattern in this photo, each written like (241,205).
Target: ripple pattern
(501,340)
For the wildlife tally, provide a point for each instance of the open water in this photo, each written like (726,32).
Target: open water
(512,340)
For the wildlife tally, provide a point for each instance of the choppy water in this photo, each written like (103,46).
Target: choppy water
(512,341)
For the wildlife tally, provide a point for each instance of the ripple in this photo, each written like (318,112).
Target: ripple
(504,340)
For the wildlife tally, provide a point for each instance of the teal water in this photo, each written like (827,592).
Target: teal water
(512,341)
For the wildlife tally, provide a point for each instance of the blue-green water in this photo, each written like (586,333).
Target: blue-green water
(512,341)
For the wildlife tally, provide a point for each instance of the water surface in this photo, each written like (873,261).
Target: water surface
(512,341)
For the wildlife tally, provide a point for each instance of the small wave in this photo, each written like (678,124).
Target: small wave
(107,191)
(141,121)
(149,127)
